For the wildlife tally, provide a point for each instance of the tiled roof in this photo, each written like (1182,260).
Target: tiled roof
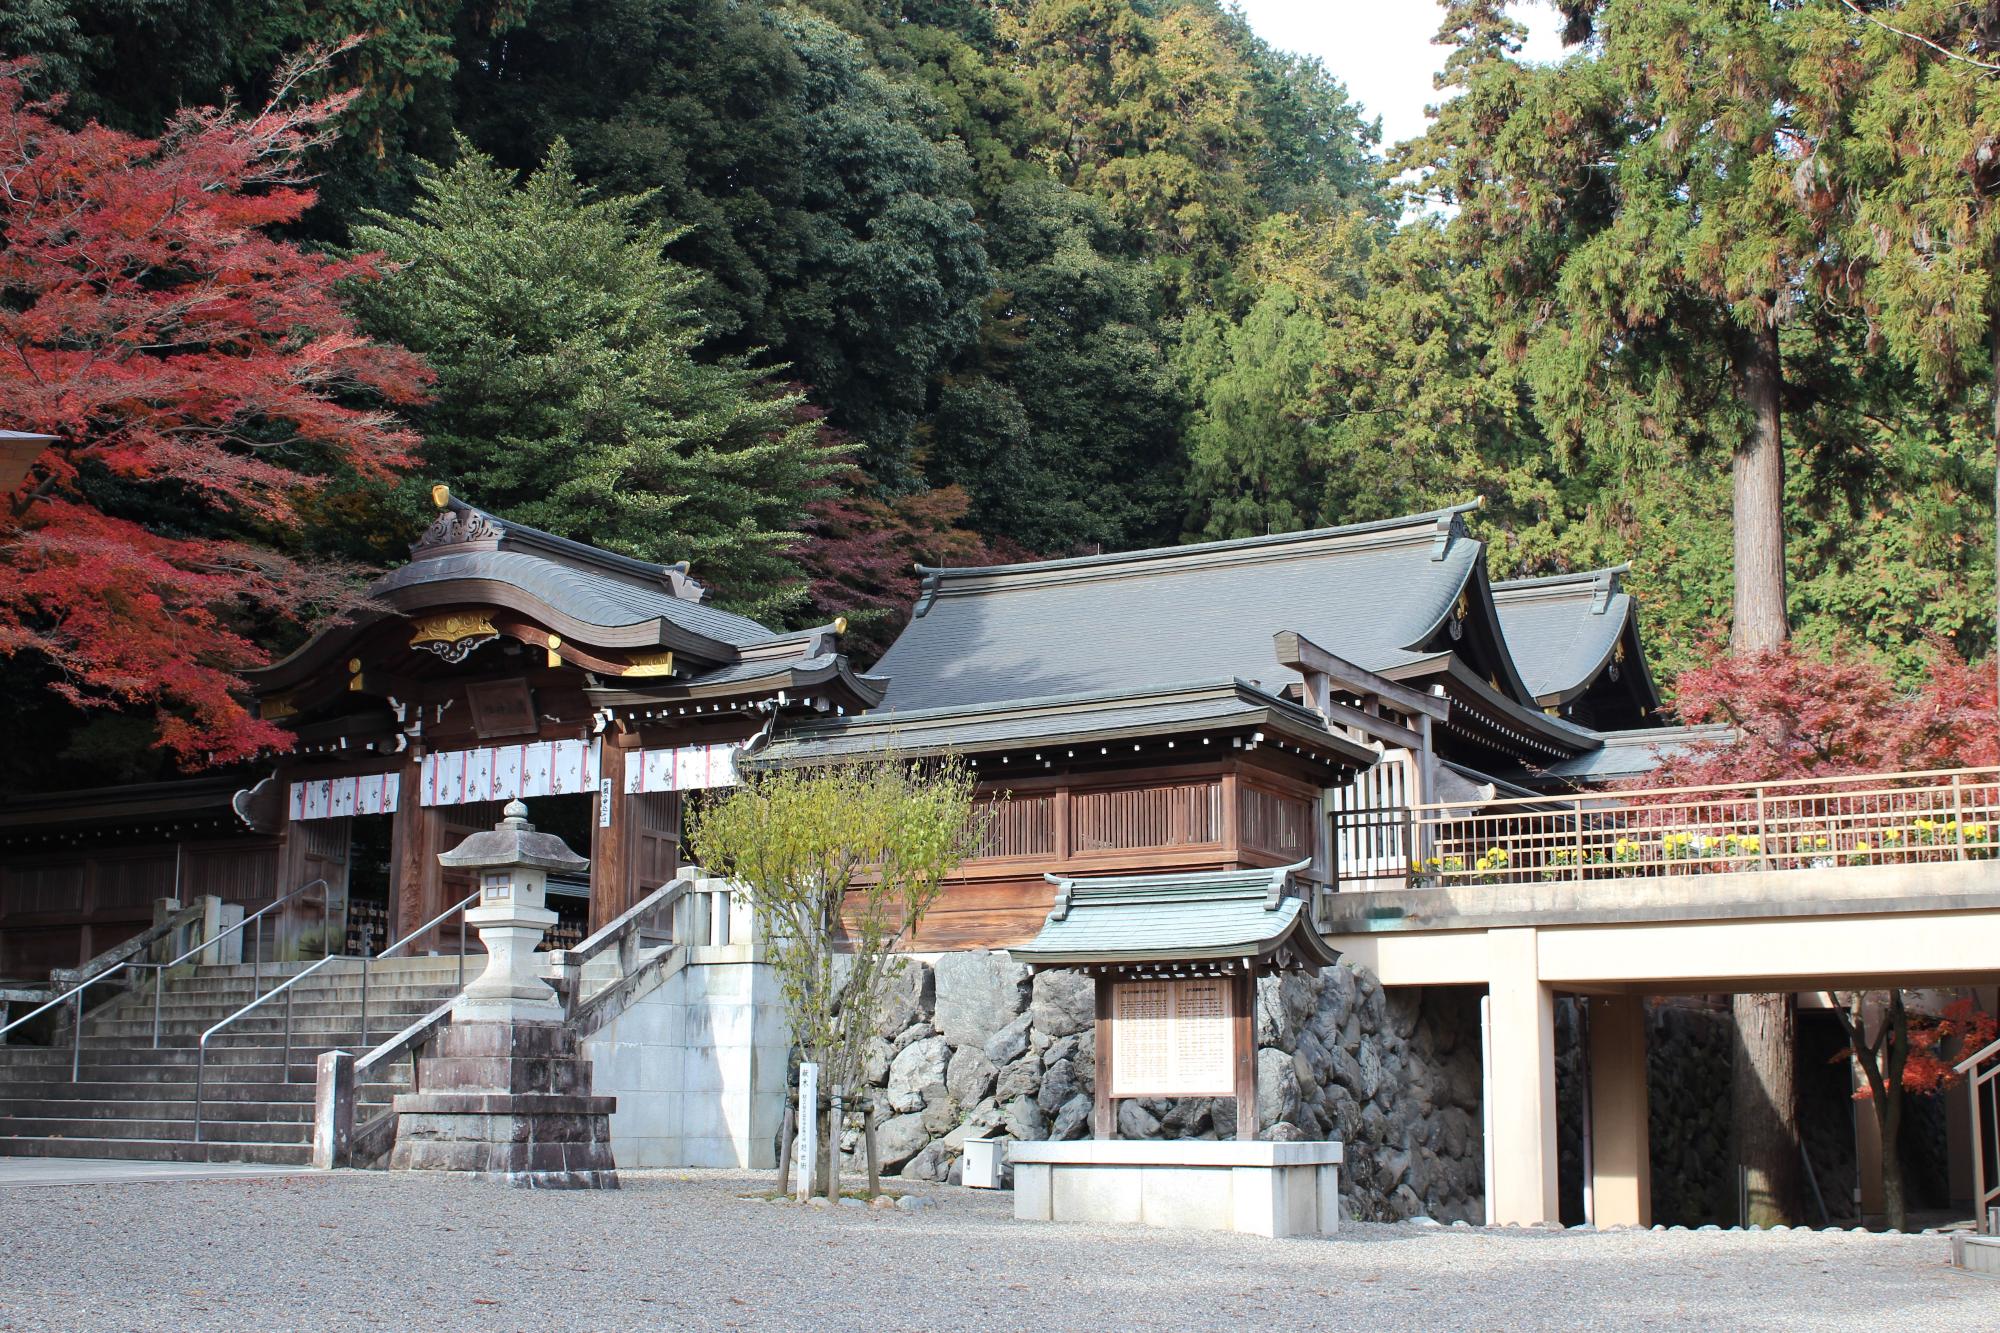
(1372,593)
(1065,720)
(593,596)
(1564,630)
(1165,918)
(1626,755)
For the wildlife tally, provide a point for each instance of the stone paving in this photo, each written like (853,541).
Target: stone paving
(684,1250)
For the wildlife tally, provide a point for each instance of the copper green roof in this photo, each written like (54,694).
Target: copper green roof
(1199,916)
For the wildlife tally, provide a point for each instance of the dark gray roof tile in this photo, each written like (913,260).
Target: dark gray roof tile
(1150,620)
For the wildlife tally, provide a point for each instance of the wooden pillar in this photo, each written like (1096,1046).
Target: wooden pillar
(1104,1116)
(1522,1087)
(1243,1029)
(611,842)
(1621,1151)
(415,883)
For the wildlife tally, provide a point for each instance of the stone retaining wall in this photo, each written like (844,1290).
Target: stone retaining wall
(971,1046)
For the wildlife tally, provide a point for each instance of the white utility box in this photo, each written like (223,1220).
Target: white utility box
(982,1163)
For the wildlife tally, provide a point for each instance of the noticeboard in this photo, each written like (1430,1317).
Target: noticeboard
(1173,1038)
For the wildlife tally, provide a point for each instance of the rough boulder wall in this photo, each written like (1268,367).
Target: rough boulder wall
(971,1046)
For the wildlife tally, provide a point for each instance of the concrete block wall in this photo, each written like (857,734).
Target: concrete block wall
(698,1066)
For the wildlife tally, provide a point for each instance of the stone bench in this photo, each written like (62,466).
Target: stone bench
(1263,1189)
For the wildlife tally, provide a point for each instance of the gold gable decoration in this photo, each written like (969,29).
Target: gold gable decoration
(651,664)
(452,635)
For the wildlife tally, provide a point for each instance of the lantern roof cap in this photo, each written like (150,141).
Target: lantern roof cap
(513,842)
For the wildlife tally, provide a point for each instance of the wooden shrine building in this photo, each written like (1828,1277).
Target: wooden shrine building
(1176,959)
(1213,707)
(503,662)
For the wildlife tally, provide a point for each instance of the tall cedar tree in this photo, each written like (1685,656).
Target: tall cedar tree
(1634,204)
(202,375)
(570,394)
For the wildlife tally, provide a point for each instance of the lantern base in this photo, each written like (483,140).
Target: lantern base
(510,1101)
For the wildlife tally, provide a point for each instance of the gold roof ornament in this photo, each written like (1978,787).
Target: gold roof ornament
(651,664)
(452,635)
(440,495)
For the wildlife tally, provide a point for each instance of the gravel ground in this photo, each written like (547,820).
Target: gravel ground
(685,1250)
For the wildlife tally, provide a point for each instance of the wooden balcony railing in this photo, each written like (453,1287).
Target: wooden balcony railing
(1818,823)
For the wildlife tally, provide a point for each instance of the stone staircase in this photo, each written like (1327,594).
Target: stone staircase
(133,1101)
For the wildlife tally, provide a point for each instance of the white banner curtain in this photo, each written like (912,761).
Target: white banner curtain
(682,768)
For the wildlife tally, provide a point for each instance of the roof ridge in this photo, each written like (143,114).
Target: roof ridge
(1201,689)
(1582,576)
(1169,554)
(674,580)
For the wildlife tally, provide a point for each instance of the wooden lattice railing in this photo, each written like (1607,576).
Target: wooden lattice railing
(1820,823)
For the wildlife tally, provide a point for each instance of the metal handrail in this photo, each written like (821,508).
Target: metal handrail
(1622,795)
(201,1046)
(1976,1084)
(160,970)
(1856,819)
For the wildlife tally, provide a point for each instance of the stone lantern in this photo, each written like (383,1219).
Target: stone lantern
(513,861)
(506,1091)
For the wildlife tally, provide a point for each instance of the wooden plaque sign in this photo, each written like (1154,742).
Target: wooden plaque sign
(501,708)
(1173,1038)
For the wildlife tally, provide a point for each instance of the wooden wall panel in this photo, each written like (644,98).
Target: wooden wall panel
(1278,824)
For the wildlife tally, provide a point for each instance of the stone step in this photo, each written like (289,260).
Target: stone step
(16,1111)
(213,1091)
(158,1150)
(1976,1254)
(248,1064)
(340,984)
(335,989)
(271,1018)
(440,964)
(233,1131)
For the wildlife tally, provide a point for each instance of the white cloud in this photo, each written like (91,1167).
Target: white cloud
(1381,49)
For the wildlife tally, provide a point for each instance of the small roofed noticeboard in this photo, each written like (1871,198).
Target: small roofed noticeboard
(1175,959)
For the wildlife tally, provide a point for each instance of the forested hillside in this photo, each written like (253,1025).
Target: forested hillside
(803,292)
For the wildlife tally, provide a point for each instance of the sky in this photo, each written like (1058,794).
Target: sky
(1381,49)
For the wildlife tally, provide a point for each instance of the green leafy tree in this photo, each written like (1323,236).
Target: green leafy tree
(1903,172)
(1063,424)
(840,865)
(818,196)
(570,394)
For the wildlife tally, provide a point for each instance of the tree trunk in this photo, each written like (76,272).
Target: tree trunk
(1764,1109)
(874,1153)
(1758,477)
(1994,338)
(833,1119)
(1764,1106)
(1889,1116)
(787,1140)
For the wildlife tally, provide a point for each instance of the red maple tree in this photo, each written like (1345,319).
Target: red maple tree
(192,364)
(1801,714)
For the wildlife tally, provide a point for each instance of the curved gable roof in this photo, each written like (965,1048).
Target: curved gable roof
(1566,630)
(1374,593)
